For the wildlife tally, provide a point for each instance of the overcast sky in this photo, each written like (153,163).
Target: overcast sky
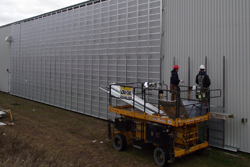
(15,10)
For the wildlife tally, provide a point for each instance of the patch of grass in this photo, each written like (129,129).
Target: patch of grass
(15,151)
(15,104)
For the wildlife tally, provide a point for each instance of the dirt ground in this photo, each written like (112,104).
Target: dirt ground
(44,135)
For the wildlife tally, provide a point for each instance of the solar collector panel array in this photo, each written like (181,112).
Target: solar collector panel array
(64,58)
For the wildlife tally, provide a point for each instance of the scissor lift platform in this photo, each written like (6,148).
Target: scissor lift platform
(171,129)
(128,111)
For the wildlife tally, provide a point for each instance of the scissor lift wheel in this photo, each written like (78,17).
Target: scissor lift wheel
(119,142)
(161,156)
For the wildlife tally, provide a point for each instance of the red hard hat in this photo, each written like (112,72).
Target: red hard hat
(176,67)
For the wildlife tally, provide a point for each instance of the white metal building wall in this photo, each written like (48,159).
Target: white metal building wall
(213,29)
(4,58)
(62,58)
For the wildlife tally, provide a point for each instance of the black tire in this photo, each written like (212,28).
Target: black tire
(161,156)
(119,142)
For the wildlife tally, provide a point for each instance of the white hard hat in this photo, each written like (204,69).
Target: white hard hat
(202,67)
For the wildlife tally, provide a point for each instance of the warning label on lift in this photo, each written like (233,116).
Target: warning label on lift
(126,92)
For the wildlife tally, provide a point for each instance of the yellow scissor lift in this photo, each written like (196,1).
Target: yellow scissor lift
(173,129)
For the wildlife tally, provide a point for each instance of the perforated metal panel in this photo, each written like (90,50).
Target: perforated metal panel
(64,57)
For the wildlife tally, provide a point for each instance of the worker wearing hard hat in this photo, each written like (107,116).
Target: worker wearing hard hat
(174,82)
(202,79)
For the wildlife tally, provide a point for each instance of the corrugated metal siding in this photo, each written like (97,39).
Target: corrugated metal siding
(63,58)
(5,48)
(213,28)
